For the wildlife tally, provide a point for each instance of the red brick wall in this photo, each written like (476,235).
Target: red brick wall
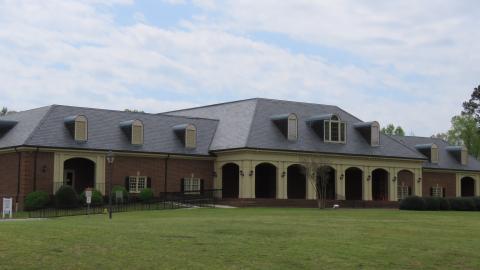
(44,172)
(181,168)
(8,175)
(445,180)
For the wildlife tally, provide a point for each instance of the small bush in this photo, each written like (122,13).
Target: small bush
(66,197)
(97,198)
(462,204)
(146,195)
(124,192)
(476,202)
(433,203)
(412,203)
(36,200)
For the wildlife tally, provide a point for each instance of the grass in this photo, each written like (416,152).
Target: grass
(246,239)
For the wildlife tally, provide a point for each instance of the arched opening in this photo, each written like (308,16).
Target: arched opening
(265,181)
(353,184)
(467,187)
(79,173)
(405,184)
(296,182)
(380,185)
(326,176)
(230,180)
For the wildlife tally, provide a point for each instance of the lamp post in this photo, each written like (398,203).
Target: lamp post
(110,159)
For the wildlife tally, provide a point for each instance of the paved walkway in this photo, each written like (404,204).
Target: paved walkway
(21,219)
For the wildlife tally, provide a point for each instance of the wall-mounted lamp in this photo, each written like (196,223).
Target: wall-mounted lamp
(251,173)
(369,177)
(283,174)
(312,175)
(394,179)
(342,176)
(44,168)
(419,180)
(241,173)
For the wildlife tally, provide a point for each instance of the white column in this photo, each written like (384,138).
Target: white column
(392,185)
(417,185)
(367,184)
(281,181)
(458,185)
(217,181)
(340,182)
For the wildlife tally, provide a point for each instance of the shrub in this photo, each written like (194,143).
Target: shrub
(66,197)
(146,195)
(119,188)
(433,203)
(462,204)
(412,203)
(97,198)
(36,200)
(444,204)
(476,202)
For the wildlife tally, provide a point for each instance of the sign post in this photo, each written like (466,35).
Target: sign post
(7,207)
(88,196)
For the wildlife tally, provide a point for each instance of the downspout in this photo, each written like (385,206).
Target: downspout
(35,171)
(18,177)
(166,175)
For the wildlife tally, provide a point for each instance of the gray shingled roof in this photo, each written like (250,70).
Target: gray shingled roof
(45,127)
(446,160)
(248,124)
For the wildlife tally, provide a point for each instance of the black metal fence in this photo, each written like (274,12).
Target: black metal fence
(171,200)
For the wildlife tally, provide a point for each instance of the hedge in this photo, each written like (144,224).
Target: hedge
(36,200)
(146,195)
(437,203)
(66,197)
(124,192)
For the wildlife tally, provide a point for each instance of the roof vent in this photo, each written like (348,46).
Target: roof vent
(77,125)
(187,133)
(370,131)
(133,129)
(430,150)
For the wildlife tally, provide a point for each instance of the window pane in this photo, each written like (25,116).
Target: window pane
(327,131)
(133,184)
(335,137)
(342,131)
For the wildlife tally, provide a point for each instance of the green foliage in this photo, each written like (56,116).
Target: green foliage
(444,204)
(66,197)
(462,204)
(472,106)
(146,195)
(120,188)
(412,203)
(476,202)
(97,198)
(392,130)
(4,111)
(36,200)
(464,131)
(433,203)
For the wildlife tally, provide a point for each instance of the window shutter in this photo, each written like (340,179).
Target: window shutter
(409,191)
(149,182)
(326,135)
(80,130)
(202,182)
(137,134)
(431,191)
(444,191)
(182,187)
(127,183)
(292,129)
(343,131)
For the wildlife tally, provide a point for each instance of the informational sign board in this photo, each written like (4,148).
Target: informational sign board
(7,207)
(88,195)
(119,196)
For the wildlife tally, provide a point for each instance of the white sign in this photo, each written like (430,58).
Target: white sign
(88,194)
(7,207)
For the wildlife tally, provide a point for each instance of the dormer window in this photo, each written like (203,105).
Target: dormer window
(429,150)
(187,133)
(334,130)
(460,153)
(133,129)
(288,125)
(78,127)
(370,131)
(5,126)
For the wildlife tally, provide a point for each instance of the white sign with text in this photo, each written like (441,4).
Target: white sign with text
(88,194)
(7,207)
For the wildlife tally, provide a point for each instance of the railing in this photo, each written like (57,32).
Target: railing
(171,200)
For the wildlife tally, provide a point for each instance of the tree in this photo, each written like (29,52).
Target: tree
(472,106)
(4,111)
(317,175)
(392,130)
(442,136)
(465,131)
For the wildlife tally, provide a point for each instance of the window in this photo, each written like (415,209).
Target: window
(191,185)
(137,183)
(81,128)
(437,191)
(190,137)
(292,127)
(137,133)
(335,130)
(403,191)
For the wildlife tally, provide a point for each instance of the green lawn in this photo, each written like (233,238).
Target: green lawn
(246,239)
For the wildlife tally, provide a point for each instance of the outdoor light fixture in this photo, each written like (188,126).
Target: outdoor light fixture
(241,173)
(342,176)
(369,177)
(394,179)
(283,174)
(419,180)
(110,159)
(251,173)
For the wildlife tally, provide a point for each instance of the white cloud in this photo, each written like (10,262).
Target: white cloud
(72,52)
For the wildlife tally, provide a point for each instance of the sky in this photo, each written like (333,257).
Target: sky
(409,62)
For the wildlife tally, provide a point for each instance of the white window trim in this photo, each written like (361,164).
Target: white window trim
(136,187)
(189,185)
(329,123)
(437,191)
(402,192)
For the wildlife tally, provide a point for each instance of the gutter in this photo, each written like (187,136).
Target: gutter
(18,177)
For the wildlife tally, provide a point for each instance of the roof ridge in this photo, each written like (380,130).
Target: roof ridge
(42,120)
(403,144)
(211,105)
